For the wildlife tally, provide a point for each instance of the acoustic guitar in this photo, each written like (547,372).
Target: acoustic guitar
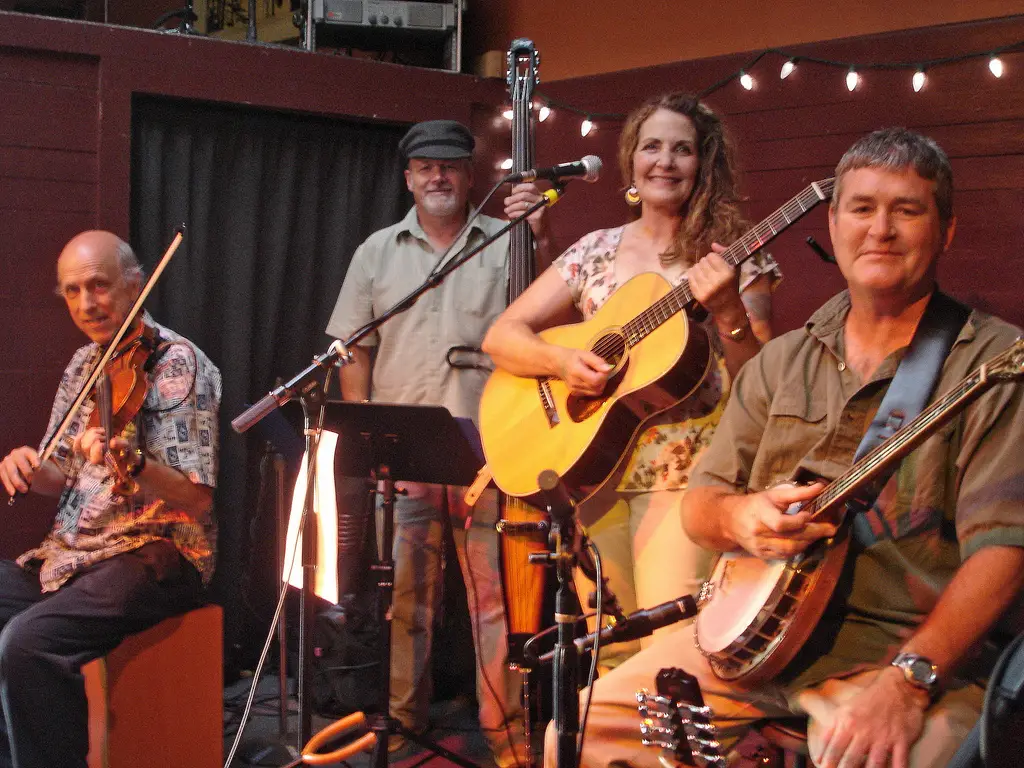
(529,424)
(756,614)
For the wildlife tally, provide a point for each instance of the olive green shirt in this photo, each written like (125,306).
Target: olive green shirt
(411,365)
(798,406)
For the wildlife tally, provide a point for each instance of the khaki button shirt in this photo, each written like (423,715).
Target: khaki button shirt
(411,365)
(798,406)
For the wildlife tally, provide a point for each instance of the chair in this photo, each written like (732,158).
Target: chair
(157,699)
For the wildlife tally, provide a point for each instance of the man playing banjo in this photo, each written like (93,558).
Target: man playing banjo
(893,674)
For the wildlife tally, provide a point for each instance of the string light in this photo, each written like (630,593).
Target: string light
(919,77)
(852,79)
(506,164)
(507,114)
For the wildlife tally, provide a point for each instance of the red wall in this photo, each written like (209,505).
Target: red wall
(585,37)
(789,133)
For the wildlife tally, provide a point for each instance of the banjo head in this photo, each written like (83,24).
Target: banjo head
(730,600)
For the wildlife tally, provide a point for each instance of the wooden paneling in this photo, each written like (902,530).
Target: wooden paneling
(789,132)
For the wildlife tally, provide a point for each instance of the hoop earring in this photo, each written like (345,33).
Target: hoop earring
(633,195)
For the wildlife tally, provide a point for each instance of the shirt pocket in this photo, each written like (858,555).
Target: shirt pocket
(483,292)
(797,423)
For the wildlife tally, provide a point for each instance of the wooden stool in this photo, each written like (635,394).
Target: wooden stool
(157,699)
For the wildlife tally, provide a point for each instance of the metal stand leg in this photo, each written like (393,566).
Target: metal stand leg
(383,725)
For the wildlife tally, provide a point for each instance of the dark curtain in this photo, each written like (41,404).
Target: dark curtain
(274,205)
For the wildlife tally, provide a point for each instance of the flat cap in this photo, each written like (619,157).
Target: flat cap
(437,140)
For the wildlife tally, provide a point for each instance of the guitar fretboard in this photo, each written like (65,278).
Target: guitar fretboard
(754,239)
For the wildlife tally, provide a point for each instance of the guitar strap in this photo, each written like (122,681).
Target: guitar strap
(908,392)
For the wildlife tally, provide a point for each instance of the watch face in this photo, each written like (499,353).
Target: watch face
(921,670)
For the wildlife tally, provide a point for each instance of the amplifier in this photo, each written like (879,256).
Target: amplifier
(386,14)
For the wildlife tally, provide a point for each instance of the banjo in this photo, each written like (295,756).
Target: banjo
(754,615)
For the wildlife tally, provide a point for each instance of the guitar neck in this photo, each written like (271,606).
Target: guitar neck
(883,456)
(756,238)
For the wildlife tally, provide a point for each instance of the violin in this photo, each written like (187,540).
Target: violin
(120,392)
(101,366)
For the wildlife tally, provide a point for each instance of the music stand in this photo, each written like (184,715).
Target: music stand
(383,441)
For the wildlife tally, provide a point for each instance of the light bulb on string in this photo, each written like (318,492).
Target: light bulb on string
(544,112)
(787,69)
(995,66)
(506,164)
(507,114)
(852,79)
(746,80)
(919,80)
(586,126)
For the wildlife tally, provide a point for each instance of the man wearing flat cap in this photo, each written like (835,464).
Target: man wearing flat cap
(406,362)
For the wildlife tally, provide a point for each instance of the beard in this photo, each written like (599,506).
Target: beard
(441,205)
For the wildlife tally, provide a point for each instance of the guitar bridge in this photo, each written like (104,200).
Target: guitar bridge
(547,401)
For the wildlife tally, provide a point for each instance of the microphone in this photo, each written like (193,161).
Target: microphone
(638,624)
(589,168)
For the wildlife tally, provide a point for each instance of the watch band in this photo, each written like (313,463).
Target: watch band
(737,334)
(139,463)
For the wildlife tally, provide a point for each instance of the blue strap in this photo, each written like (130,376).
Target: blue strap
(910,389)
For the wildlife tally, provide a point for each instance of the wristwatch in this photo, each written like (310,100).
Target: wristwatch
(138,462)
(736,334)
(919,672)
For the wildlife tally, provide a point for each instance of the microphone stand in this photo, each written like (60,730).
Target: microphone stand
(338,354)
(305,386)
(562,555)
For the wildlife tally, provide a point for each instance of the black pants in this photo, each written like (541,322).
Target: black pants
(47,638)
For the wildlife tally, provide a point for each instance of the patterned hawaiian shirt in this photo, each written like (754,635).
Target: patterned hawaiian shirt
(672,441)
(177,426)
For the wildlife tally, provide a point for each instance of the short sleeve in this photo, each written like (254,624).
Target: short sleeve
(354,307)
(761,263)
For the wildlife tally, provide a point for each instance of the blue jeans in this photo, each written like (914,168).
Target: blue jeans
(46,638)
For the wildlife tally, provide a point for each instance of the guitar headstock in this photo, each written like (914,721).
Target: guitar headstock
(676,720)
(1007,365)
(521,65)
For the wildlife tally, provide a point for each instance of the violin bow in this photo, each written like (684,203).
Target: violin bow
(108,353)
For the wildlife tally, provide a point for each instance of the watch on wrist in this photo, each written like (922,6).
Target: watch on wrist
(919,671)
(736,334)
(138,462)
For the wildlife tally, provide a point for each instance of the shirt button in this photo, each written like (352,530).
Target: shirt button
(842,366)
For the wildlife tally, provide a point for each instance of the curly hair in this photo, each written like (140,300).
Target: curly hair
(711,214)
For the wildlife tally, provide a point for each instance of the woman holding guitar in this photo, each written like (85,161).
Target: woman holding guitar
(677,161)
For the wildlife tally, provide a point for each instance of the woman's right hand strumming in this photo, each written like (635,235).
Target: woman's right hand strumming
(584,372)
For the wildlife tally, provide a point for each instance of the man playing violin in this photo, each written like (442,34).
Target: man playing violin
(894,672)
(116,561)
